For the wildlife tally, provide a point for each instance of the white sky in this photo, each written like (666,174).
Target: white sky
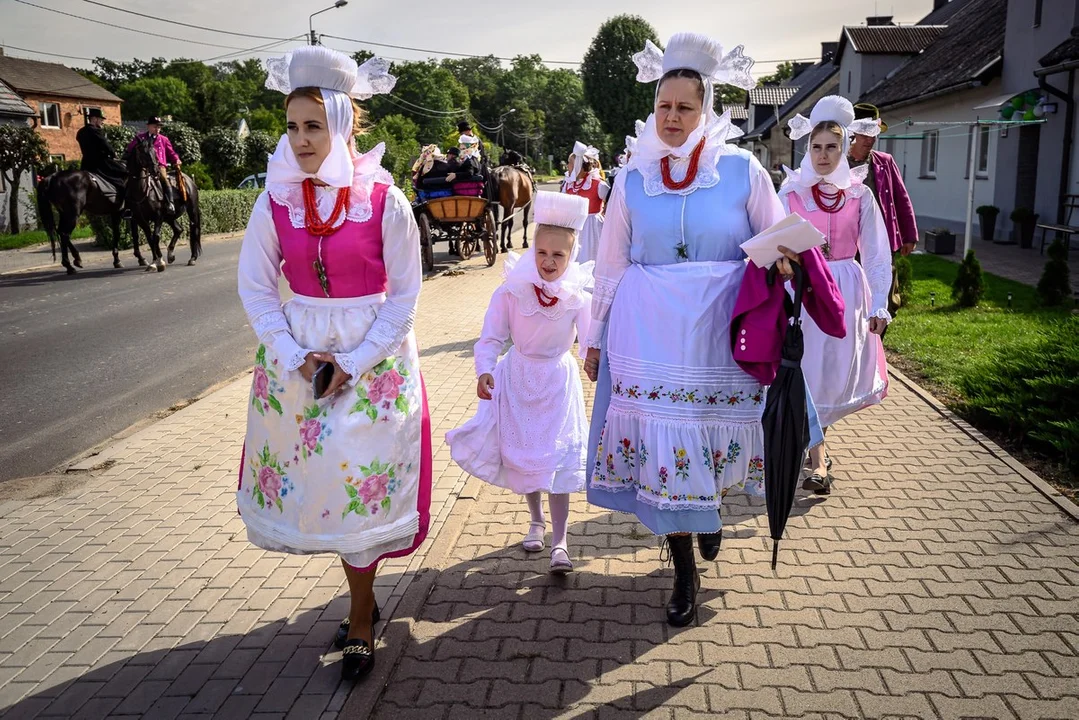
(556,29)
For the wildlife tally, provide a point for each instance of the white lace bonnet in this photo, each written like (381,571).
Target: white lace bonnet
(581,152)
(839,110)
(561,210)
(339,80)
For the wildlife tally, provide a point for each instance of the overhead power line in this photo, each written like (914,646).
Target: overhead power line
(183,24)
(440,52)
(129,29)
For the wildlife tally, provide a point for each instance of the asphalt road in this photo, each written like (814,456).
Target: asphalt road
(85,357)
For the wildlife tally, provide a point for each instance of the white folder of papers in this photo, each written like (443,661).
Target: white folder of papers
(792,232)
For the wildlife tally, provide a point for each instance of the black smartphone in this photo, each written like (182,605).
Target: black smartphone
(320,381)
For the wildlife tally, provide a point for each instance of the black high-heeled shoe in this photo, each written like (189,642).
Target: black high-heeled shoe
(357,661)
(682,607)
(341,637)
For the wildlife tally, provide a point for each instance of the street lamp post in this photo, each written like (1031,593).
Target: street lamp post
(501,127)
(312,38)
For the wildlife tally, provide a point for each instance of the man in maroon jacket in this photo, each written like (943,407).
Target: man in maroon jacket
(891,194)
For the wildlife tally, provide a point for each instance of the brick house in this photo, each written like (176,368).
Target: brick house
(61,98)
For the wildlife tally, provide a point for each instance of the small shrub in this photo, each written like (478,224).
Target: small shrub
(904,273)
(969,285)
(988,210)
(1054,288)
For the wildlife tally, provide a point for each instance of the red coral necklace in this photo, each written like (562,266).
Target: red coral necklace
(828,202)
(314,224)
(691,171)
(544,299)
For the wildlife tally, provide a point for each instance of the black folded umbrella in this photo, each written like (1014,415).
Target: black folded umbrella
(786,421)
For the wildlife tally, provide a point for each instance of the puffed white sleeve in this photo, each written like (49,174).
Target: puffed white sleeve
(257,277)
(404,277)
(612,261)
(495,333)
(876,251)
(763,207)
(583,321)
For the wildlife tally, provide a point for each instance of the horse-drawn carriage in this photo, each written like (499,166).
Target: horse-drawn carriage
(462,221)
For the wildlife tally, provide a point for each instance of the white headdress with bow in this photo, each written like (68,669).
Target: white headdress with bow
(582,152)
(839,110)
(706,57)
(339,80)
(520,273)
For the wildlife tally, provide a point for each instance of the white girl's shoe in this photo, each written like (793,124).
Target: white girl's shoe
(533,541)
(560,562)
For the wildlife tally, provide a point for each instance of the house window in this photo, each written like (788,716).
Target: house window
(1037,13)
(50,114)
(983,151)
(929,153)
(848,82)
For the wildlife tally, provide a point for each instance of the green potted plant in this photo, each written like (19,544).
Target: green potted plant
(1025,220)
(987,221)
(940,241)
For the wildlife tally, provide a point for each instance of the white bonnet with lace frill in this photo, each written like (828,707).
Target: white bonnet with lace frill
(339,80)
(837,109)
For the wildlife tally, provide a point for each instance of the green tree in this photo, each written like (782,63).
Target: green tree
(224,152)
(156,96)
(429,94)
(119,137)
(610,77)
(271,120)
(481,76)
(784,71)
(21,151)
(402,148)
(969,285)
(186,140)
(258,146)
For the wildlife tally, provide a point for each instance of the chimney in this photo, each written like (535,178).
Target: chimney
(878,20)
(828,51)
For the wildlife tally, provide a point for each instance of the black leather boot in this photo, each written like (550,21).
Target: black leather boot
(709,543)
(682,607)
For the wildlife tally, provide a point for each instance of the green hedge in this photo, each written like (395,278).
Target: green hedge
(223,211)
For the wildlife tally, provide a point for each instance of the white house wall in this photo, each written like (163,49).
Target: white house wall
(942,202)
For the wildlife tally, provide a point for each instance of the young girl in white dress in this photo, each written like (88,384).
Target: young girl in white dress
(530,431)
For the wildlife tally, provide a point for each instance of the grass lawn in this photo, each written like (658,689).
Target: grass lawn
(1012,372)
(35,237)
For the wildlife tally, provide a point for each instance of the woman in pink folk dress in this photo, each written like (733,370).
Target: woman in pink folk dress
(349,473)
(845,374)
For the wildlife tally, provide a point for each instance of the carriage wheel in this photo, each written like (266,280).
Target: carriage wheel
(426,244)
(466,242)
(490,239)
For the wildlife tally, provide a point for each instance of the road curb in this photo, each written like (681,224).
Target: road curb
(1052,494)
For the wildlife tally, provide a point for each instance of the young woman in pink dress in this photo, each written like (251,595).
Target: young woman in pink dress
(348,472)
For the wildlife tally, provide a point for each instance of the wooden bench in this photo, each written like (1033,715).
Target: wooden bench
(1071,202)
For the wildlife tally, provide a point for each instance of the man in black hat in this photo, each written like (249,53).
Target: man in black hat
(98,157)
(166,154)
(886,182)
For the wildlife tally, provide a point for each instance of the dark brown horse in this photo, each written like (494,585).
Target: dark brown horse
(149,210)
(515,188)
(72,193)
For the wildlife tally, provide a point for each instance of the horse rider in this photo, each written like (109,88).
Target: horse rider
(98,157)
(165,154)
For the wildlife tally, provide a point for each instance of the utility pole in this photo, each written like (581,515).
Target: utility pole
(312,37)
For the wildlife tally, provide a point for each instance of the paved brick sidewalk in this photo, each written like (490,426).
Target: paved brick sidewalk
(934,583)
(138,595)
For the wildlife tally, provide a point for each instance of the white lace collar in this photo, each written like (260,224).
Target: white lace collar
(520,278)
(585,184)
(651,151)
(805,192)
(367,170)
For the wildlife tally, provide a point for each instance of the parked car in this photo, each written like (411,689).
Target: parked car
(252,181)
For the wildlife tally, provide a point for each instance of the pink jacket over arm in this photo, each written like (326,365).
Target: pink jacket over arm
(759,321)
(894,201)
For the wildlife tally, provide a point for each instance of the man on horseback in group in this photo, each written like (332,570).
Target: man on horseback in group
(98,157)
(165,154)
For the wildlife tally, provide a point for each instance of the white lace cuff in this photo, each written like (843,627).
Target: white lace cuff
(348,364)
(594,339)
(385,336)
(882,314)
(288,350)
